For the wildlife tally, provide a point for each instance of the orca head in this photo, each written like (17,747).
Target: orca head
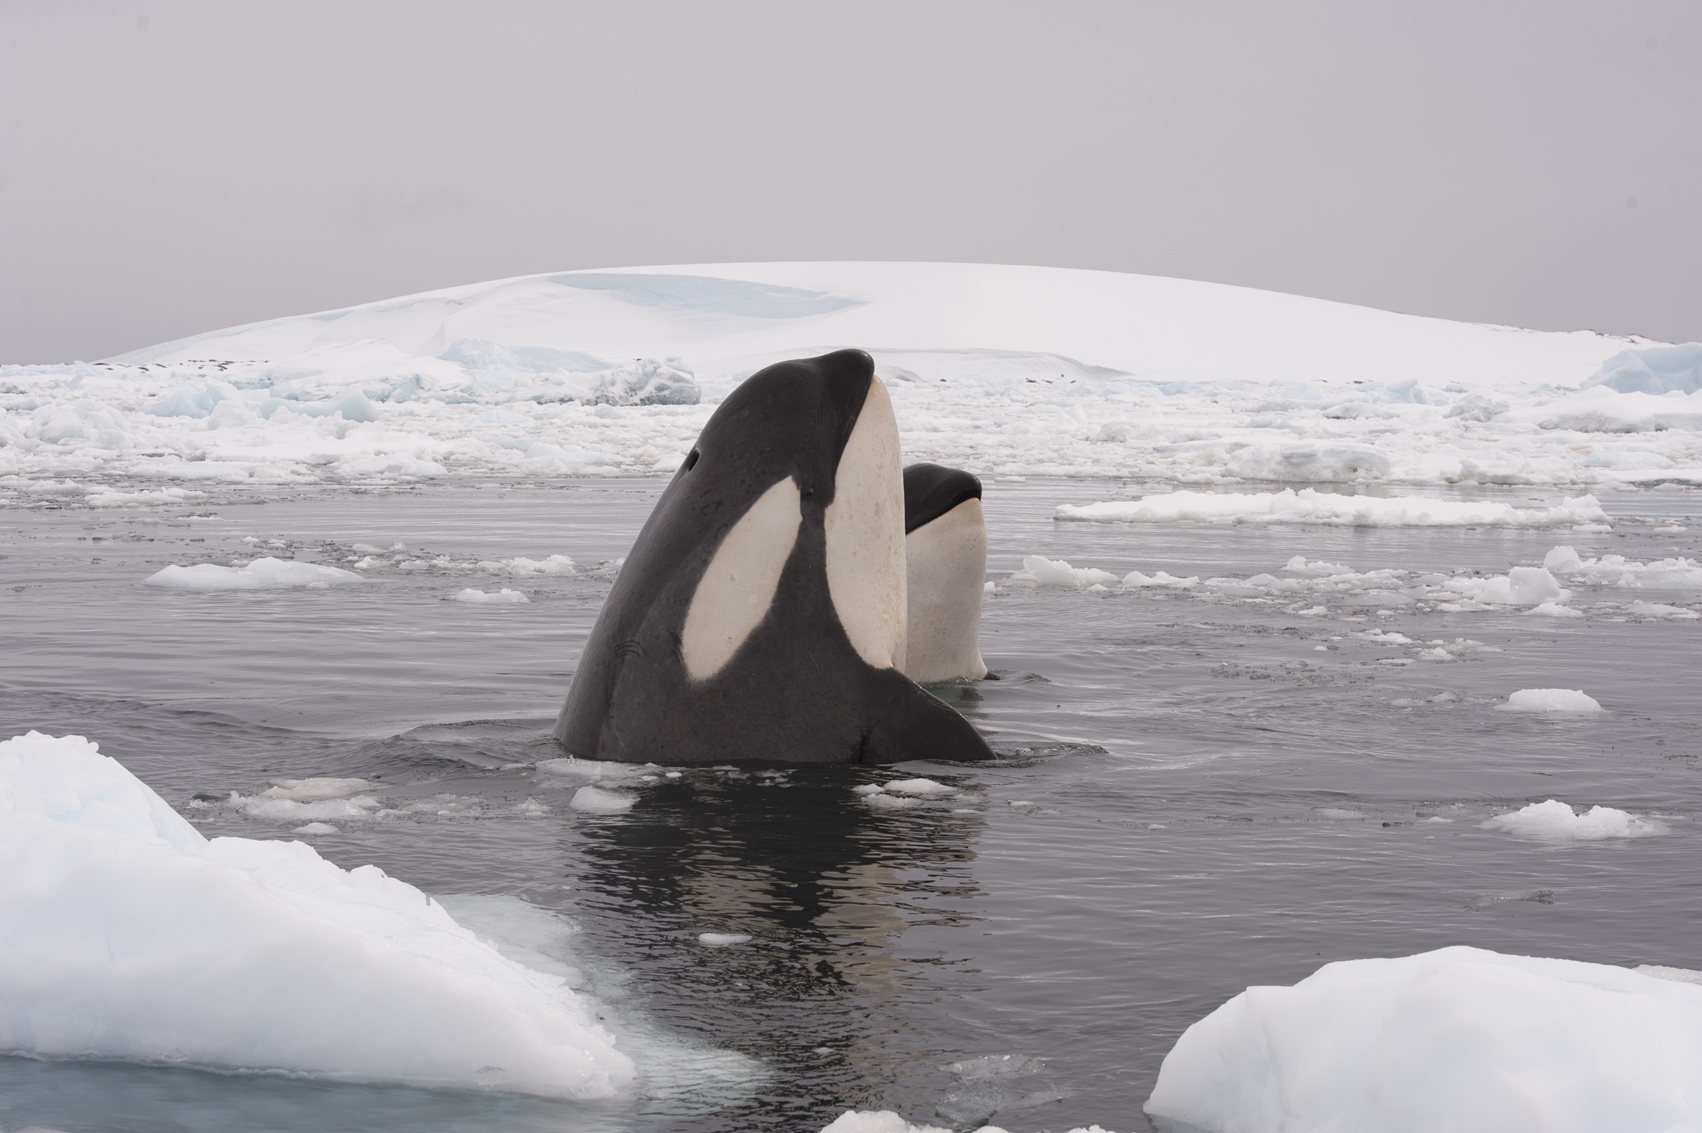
(762,611)
(932,490)
(799,446)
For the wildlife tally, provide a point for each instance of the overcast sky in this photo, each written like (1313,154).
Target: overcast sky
(169,168)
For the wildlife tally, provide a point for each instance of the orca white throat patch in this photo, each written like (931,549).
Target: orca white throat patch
(737,589)
(946,561)
(865,535)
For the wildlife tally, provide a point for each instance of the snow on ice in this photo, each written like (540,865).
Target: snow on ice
(1459,1038)
(1005,371)
(128,935)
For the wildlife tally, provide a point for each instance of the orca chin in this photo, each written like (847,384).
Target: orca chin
(762,614)
(945,554)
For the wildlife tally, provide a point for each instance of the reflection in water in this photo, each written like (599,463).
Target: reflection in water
(824,884)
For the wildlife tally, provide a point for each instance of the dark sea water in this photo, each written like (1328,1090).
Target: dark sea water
(1193,798)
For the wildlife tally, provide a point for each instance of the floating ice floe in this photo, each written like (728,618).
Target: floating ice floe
(128,935)
(886,1121)
(901,794)
(526,568)
(503,597)
(163,497)
(596,800)
(1006,371)
(1309,506)
(1623,573)
(261,574)
(1554,821)
(722,939)
(1459,1038)
(1568,700)
(315,789)
(1311,588)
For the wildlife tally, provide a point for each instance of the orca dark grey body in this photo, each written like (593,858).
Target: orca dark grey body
(810,677)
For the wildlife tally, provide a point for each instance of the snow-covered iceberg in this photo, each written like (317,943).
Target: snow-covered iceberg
(1460,1039)
(997,369)
(126,934)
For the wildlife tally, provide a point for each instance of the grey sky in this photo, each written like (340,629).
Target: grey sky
(168,168)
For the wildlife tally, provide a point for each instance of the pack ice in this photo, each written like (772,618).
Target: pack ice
(996,369)
(1460,1039)
(125,934)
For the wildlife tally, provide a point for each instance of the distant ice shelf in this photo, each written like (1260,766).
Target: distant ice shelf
(1001,370)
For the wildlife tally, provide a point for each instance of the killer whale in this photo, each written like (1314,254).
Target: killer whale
(761,614)
(945,554)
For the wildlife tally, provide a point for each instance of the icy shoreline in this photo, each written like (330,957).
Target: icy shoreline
(1000,370)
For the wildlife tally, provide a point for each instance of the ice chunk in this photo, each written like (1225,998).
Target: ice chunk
(526,568)
(594,770)
(290,810)
(722,939)
(1058,573)
(1316,568)
(130,936)
(1554,821)
(503,597)
(1551,700)
(595,800)
(312,790)
(261,574)
(1652,369)
(144,498)
(1458,1038)
(886,1121)
(1661,610)
(1311,506)
(1621,572)
(1135,580)
(1682,975)
(1531,586)
(920,788)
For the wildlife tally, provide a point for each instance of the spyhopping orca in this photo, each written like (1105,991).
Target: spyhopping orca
(761,614)
(945,554)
